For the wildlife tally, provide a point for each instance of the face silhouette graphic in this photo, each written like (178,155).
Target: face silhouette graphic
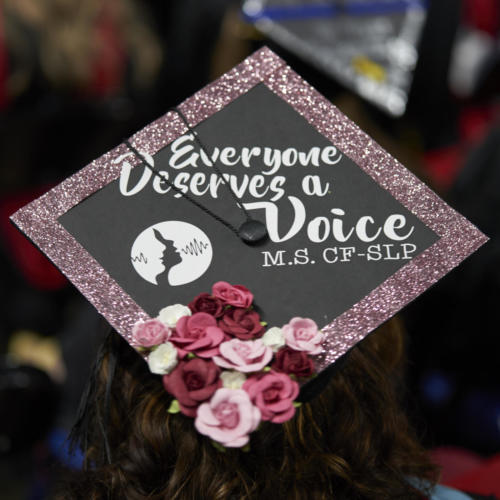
(171,256)
(171,252)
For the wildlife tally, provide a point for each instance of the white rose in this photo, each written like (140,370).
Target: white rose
(163,359)
(171,314)
(232,380)
(274,338)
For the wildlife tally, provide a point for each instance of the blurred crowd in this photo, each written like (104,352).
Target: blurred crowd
(77,77)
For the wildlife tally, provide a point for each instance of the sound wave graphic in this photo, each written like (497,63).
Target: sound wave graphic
(195,247)
(140,258)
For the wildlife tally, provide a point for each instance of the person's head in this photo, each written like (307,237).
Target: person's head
(350,441)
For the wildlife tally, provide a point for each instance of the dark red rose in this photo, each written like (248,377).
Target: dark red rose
(241,323)
(192,382)
(204,302)
(293,362)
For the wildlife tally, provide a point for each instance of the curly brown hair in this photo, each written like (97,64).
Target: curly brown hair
(352,441)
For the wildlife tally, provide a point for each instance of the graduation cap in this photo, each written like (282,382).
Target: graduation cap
(256,180)
(370,46)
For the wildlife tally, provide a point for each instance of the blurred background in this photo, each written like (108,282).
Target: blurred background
(79,76)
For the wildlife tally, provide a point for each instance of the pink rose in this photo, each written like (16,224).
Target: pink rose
(243,355)
(150,333)
(234,295)
(302,334)
(241,323)
(273,393)
(198,334)
(228,418)
(191,383)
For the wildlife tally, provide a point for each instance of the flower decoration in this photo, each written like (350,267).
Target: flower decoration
(204,302)
(274,338)
(232,380)
(228,418)
(302,334)
(244,355)
(170,315)
(233,295)
(293,362)
(150,333)
(221,365)
(197,334)
(241,323)
(273,393)
(163,359)
(193,382)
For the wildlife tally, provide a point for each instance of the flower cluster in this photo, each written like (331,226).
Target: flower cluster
(222,366)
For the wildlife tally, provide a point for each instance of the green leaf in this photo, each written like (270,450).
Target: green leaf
(246,448)
(297,404)
(267,368)
(174,407)
(190,355)
(263,323)
(218,446)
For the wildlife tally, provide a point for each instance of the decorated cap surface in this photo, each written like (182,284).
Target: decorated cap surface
(353,236)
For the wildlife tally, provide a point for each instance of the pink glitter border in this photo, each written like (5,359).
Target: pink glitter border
(458,237)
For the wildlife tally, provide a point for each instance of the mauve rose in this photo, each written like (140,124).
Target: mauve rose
(150,333)
(273,393)
(234,295)
(198,334)
(192,382)
(241,323)
(302,334)
(228,418)
(293,362)
(204,302)
(243,355)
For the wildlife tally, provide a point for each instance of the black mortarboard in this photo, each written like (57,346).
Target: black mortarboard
(352,235)
(370,46)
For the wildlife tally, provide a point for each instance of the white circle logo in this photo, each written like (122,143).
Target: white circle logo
(174,251)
